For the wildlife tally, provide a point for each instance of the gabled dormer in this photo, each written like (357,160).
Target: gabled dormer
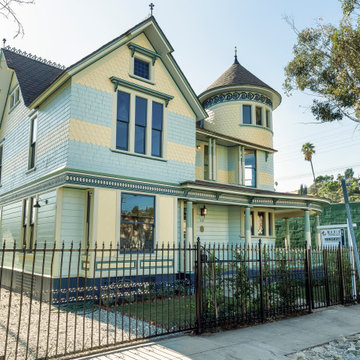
(235,142)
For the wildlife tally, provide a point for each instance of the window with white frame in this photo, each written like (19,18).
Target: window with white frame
(28,223)
(142,62)
(32,145)
(14,98)
(146,117)
(250,168)
(137,221)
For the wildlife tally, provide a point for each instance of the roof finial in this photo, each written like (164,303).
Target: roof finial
(235,60)
(4,42)
(151,8)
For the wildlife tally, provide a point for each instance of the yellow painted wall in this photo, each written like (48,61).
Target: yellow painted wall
(117,64)
(266,179)
(166,220)
(105,216)
(226,119)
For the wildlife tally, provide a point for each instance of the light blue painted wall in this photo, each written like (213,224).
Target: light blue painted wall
(265,165)
(10,225)
(235,225)
(95,158)
(72,226)
(91,105)
(50,156)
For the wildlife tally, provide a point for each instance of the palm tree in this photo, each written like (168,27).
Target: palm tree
(308,149)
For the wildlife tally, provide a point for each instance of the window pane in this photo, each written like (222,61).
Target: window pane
(250,168)
(123,106)
(267,118)
(141,68)
(206,162)
(140,139)
(139,206)
(261,223)
(122,134)
(140,111)
(156,143)
(33,130)
(137,221)
(246,114)
(258,116)
(157,115)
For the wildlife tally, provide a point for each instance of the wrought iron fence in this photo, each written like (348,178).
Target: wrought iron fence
(62,301)
(245,285)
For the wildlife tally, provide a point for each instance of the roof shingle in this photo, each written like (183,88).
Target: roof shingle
(41,74)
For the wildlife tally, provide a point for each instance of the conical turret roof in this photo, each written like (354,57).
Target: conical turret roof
(237,75)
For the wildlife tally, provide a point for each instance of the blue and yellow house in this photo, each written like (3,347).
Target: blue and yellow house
(118,148)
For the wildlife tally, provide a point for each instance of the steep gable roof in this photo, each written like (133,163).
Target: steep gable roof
(33,75)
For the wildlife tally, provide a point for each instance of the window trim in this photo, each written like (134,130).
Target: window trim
(13,103)
(148,132)
(156,216)
(33,145)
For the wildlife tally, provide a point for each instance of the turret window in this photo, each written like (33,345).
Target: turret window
(258,116)
(247,114)
(267,118)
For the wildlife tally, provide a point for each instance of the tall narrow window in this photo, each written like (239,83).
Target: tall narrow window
(247,114)
(250,168)
(33,137)
(270,224)
(157,128)
(1,160)
(137,221)
(31,223)
(258,116)
(267,118)
(140,124)
(206,162)
(252,223)
(122,123)
(24,221)
(261,223)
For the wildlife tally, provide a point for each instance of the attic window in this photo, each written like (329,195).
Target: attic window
(141,68)
(14,98)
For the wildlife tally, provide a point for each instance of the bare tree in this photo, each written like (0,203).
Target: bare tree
(8,12)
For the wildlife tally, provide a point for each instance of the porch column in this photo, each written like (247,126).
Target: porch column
(317,236)
(242,166)
(287,233)
(247,227)
(210,159)
(214,165)
(189,223)
(307,228)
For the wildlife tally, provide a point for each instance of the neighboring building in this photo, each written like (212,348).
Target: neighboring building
(118,148)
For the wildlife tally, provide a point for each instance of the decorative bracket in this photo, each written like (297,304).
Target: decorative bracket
(117,82)
(137,48)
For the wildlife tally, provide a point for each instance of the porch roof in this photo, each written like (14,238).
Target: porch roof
(203,134)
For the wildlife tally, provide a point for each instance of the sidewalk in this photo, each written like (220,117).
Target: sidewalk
(262,342)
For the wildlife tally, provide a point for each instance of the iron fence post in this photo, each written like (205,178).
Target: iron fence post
(326,273)
(307,269)
(198,286)
(341,275)
(262,312)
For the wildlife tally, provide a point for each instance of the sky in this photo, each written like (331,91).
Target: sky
(203,34)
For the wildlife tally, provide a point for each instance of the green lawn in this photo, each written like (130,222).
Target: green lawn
(166,312)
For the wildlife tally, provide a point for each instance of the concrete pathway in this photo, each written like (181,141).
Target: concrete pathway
(269,341)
